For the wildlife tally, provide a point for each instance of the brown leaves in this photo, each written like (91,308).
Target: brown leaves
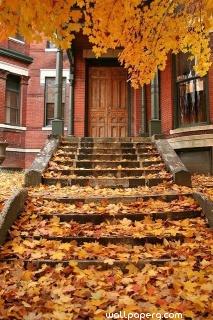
(82,192)
(9,182)
(57,250)
(40,206)
(123,227)
(55,293)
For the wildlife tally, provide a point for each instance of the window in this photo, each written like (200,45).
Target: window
(155,103)
(50,45)
(18,37)
(50,99)
(13,100)
(191,101)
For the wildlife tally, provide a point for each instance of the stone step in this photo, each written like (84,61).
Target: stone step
(110,164)
(111,145)
(99,218)
(107,139)
(106,182)
(119,173)
(115,199)
(70,156)
(113,151)
(111,239)
(111,156)
(98,150)
(102,265)
(107,164)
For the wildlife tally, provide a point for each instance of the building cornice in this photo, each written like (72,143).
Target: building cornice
(15,55)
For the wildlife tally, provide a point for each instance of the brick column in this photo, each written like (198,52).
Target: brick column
(3,78)
(166,97)
(24,84)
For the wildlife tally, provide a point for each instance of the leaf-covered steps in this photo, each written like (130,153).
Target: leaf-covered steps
(106,162)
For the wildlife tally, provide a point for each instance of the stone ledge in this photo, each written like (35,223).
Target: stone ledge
(33,175)
(12,208)
(173,163)
(192,128)
(191,141)
(206,205)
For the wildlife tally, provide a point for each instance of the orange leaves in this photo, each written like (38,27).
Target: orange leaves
(146,207)
(57,292)
(146,34)
(57,250)
(90,192)
(9,182)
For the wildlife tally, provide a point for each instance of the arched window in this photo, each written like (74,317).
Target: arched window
(190,91)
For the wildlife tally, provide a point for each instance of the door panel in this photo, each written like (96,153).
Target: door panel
(108,113)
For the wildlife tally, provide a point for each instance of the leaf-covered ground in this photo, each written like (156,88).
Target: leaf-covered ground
(9,182)
(203,184)
(67,292)
(70,293)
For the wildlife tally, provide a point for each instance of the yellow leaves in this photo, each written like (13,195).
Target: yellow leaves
(146,34)
(57,255)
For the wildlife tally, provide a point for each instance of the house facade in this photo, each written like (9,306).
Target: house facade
(98,101)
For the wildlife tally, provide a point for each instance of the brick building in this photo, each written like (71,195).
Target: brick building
(177,103)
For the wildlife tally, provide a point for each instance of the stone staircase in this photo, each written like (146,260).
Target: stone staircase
(106,162)
(74,221)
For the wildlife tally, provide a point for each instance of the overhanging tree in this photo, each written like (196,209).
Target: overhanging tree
(145,30)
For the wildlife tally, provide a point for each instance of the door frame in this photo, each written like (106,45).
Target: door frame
(105,62)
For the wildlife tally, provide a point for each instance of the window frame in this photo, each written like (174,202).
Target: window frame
(175,87)
(45,100)
(48,47)
(15,38)
(18,109)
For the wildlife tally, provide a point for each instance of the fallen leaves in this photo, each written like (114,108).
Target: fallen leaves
(123,227)
(70,292)
(76,191)
(32,249)
(9,182)
(42,206)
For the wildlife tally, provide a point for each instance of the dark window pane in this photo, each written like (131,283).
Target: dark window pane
(13,100)
(192,107)
(50,98)
(18,36)
(13,83)
(50,110)
(50,45)
(184,67)
(191,93)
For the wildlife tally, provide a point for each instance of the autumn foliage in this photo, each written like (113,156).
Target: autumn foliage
(145,30)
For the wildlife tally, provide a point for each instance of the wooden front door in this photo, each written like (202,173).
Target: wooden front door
(107,102)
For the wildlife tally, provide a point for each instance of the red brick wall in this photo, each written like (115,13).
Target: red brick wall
(79,86)
(32,102)
(137,112)
(148,102)
(166,101)
(14,160)
(3,76)
(18,159)
(17,46)
(210,84)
